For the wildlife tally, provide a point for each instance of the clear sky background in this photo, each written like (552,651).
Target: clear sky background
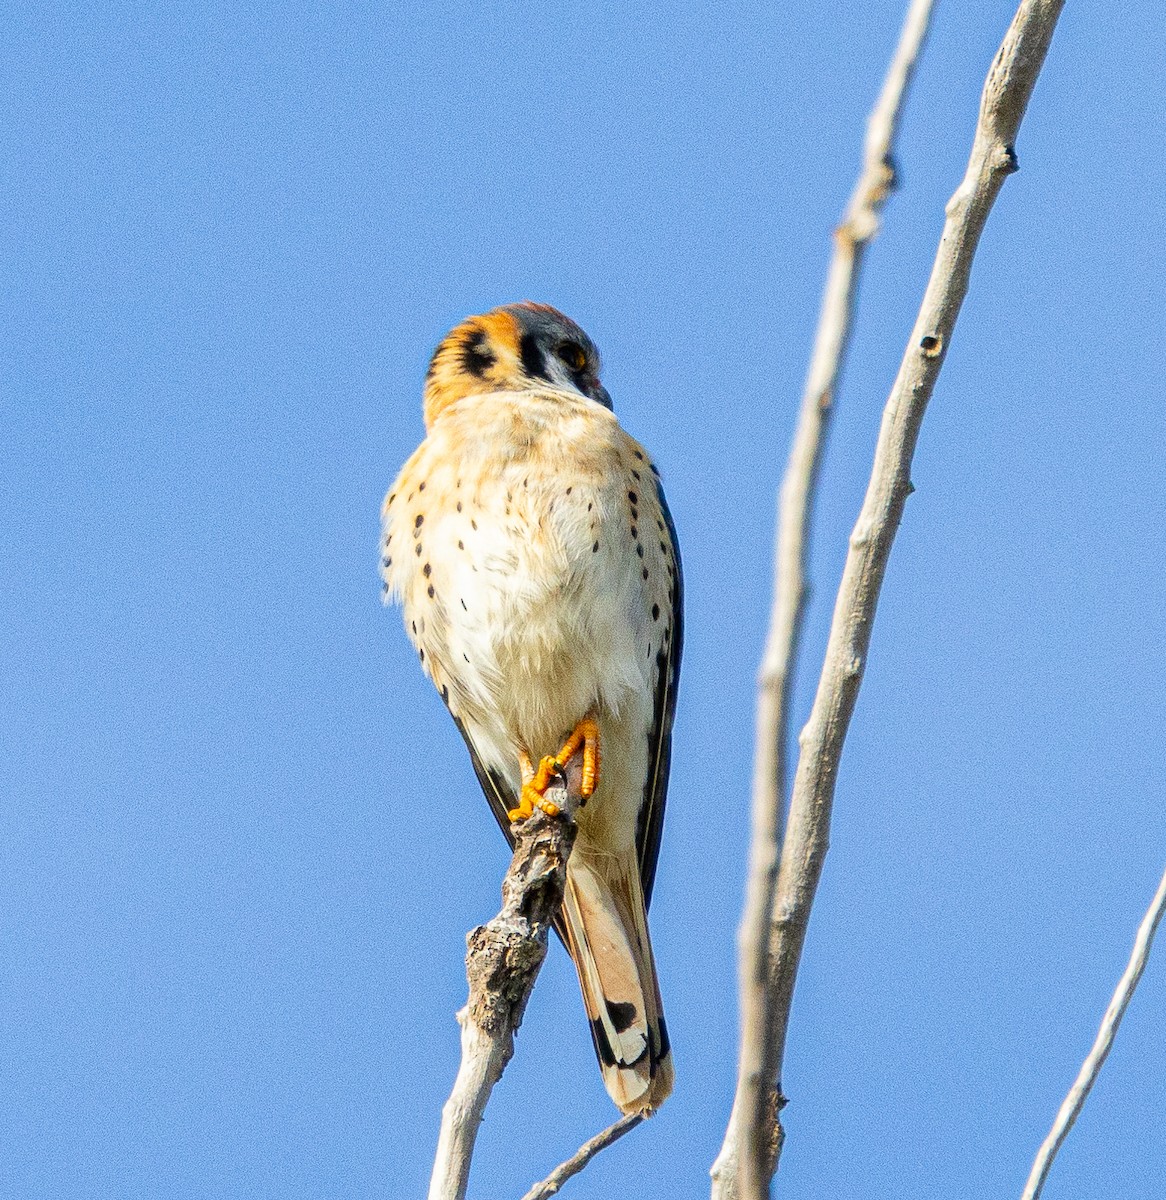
(240,840)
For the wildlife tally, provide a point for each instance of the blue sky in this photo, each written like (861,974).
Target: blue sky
(240,842)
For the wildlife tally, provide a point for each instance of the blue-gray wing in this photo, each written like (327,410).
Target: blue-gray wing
(651,819)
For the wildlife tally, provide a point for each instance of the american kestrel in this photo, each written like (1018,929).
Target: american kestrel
(529,543)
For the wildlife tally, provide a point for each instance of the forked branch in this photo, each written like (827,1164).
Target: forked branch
(753,1121)
(1005,97)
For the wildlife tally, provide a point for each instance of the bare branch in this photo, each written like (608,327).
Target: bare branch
(756,1101)
(582,1156)
(1007,90)
(502,963)
(1074,1102)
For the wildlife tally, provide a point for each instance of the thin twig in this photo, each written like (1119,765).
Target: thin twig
(1074,1102)
(756,1101)
(1006,94)
(582,1157)
(502,963)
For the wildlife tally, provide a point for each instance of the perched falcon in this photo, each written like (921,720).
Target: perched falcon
(530,546)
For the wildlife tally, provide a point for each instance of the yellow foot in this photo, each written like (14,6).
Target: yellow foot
(586,735)
(535,783)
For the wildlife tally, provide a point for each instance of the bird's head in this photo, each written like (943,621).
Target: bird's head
(519,347)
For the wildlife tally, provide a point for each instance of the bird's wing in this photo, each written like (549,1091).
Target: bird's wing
(651,819)
(495,786)
(502,799)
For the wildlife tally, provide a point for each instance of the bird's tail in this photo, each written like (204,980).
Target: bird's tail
(607,935)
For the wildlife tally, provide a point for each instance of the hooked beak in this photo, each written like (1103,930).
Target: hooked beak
(599,394)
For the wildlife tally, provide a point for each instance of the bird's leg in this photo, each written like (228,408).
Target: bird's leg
(535,782)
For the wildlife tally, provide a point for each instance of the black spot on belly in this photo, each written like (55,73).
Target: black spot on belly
(417,550)
(427,570)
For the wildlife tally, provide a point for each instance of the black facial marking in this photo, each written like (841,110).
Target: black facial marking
(476,358)
(622,1013)
(532,357)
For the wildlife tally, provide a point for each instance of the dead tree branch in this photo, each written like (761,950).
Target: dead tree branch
(582,1156)
(756,1100)
(1074,1102)
(502,963)
(1005,97)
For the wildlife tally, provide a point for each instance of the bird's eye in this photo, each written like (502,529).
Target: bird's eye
(573,355)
